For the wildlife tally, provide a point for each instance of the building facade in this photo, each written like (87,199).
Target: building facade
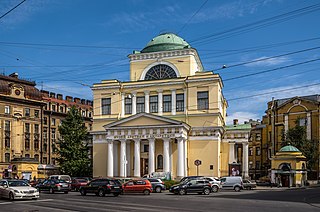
(29,126)
(168,115)
(283,114)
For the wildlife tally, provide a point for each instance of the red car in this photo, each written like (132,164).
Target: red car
(137,186)
(76,183)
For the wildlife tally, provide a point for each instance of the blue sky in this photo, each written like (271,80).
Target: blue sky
(221,31)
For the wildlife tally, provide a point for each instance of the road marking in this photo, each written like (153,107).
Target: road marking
(28,201)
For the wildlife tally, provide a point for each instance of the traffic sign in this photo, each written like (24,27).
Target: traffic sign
(197,162)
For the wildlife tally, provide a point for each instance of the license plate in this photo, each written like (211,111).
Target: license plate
(65,186)
(116,187)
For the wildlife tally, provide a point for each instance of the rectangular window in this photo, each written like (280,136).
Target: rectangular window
(53,107)
(153,104)
(257,164)
(140,104)
(83,113)
(203,100)
(61,109)
(45,120)
(106,106)
(7,133)
(7,125)
(44,160)
(27,128)
(53,122)
(53,134)
(128,106)
(180,102)
(146,148)
(250,151)
(258,151)
(7,157)
(27,112)
(167,103)
(36,113)
(7,109)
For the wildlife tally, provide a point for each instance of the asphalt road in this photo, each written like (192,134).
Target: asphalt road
(304,200)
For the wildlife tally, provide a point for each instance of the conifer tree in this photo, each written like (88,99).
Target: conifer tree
(73,151)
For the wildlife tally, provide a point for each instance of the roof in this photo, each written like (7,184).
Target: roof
(165,42)
(289,148)
(239,127)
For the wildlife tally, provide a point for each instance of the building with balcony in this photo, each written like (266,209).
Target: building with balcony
(170,114)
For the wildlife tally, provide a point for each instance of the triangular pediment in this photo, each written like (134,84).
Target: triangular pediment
(143,119)
(296,101)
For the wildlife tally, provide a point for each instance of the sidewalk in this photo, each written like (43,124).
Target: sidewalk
(261,188)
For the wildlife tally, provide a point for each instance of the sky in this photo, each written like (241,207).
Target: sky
(270,48)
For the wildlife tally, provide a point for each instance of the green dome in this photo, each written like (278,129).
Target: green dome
(289,148)
(165,42)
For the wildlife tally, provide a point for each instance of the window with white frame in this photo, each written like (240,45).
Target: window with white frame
(167,103)
(7,109)
(140,104)
(153,104)
(203,100)
(128,106)
(106,106)
(180,102)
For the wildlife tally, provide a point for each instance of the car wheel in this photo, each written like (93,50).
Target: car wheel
(116,194)
(158,189)
(51,191)
(249,188)
(237,188)
(11,196)
(146,192)
(101,193)
(82,192)
(182,192)
(215,189)
(206,191)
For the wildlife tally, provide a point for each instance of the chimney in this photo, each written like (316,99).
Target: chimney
(52,95)
(83,101)
(69,98)
(59,96)
(45,93)
(76,100)
(15,75)
(235,121)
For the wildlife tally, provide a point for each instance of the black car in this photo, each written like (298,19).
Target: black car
(53,186)
(101,187)
(192,186)
(184,179)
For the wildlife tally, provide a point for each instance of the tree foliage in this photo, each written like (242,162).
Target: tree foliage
(73,150)
(297,137)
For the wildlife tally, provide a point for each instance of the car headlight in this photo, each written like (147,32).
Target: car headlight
(16,191)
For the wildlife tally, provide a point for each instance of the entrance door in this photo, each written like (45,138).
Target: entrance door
(144,164)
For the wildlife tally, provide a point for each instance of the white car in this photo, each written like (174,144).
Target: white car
(17,189)
(215,183)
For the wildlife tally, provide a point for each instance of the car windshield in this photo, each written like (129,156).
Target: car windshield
(82,180)
(16,183)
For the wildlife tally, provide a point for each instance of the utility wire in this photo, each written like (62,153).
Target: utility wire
(194,14)
(12,9)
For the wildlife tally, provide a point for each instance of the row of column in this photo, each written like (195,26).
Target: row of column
(181,161)
(245,159)
(147,102)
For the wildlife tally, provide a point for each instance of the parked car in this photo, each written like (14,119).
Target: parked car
(233,183)
(157,185)
(34,183)
(199,186)
(247,184)
(17,189)
(215,184)
(66,178)
(76,183)
(101,187)
(137,186)
(54,186)
(190,178)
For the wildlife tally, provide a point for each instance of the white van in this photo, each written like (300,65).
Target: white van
(66,178)
(234,183)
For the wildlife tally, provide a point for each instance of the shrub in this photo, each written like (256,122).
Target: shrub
(169,183)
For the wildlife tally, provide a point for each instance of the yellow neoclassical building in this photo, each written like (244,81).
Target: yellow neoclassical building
(170,114)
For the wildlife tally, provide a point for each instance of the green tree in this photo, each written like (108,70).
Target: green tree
(297,137)
(73,150)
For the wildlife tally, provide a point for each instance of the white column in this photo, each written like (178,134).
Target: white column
(180,165)
(128,157)
(122,104)
(110,158)
(309,125)
(231,153)
(123,158)
(115,159)
(173,102)
(146,101)
(166,155)
(185,100)
(151,155)
(286,123)
(134,103)
(245,163)
(160,109)
(137,158)
(170,158)
(185,156)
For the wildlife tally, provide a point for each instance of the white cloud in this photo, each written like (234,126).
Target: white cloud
(262,61)
(242,116)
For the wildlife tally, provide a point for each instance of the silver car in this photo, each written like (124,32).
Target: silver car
(17,189)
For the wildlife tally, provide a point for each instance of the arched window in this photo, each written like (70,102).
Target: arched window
(160,162)
(160,71)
